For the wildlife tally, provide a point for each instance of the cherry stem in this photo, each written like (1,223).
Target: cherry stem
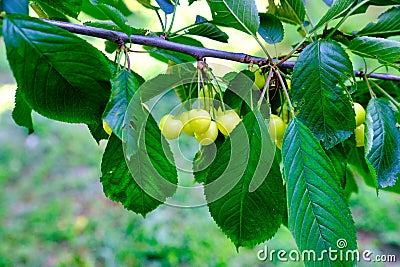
(265,89)
(286,91)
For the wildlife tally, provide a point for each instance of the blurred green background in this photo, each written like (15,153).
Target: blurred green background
(53,211)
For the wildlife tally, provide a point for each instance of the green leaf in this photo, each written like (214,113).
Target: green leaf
(97,131)
(382,148)
(147,153)
(15,7)
(204,28)
(289,11)
(239,89)
(338,8)
(328,2)
(22,113)
(119,184)
(351,184)
(191,2)
(388,24)
(51,12)
(319,94)
(244,196)
(177,75)
(147,4)
(91,8)
(338,157)
(166,6)
(71,8)
(117,17)
(124,86)
(108,25)
(58,74)
(165,55)
(271,28)
(318,212)
(384,2)
(241,15)
(387,51)
(203,159)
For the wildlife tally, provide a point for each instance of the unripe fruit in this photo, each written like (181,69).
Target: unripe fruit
(199,120)
(187,129)
(359,134)
(163,119)
(259,79)
(276,127)
(170,127)
(227,122)
(360,113)
(107,128)
(209,136)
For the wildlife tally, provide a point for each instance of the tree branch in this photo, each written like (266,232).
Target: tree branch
(196,52)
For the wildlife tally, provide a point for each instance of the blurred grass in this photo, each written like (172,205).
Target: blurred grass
(53,211)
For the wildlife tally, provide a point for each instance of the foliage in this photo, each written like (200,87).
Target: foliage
(65,78)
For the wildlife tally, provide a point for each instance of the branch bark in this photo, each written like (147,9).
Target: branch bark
(196,52)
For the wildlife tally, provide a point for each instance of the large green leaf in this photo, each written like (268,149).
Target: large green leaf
(147,153)
(22,113)
(271,28)
(118,182)
(318,213)
(124,86)
(319,93)
(338,157)
(338,8)
(388,24)
(71,8)
(289,11)
(60,75)
(387,51)
(238,14)
(247,204)
(382,145)
(204,28)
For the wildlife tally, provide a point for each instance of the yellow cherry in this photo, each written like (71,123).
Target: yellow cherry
(360,113)
(199,120)
(359,134)
(227,122)
(209,136)
(259,79)
(171,128)
(276,127)
(187,129)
